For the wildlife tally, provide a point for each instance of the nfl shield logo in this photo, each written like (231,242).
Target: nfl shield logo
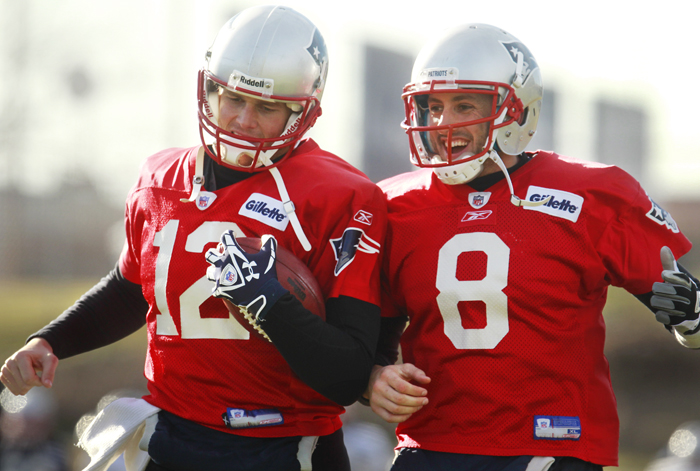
(479,199)
(230,276)
(205,199)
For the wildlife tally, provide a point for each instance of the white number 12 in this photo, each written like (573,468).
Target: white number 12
(192,324)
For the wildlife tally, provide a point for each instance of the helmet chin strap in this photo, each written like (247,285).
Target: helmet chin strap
(466,172)
(493,155)
(289,208)
(198,181)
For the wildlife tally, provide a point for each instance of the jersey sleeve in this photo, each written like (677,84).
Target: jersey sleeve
(631,242)
(355,248)
(129,263)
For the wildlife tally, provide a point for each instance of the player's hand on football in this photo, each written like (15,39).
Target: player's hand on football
(32,365)
(393,394)
(676,299)
(247,280)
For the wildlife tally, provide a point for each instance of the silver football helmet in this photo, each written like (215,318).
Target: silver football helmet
(271,53)
(485,60)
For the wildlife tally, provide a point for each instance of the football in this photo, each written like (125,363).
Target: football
(292,274)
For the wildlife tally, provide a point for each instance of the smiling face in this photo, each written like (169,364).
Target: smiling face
(452,108)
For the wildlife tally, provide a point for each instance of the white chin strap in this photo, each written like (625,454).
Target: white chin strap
(289,209)
(468,171)
(198,181)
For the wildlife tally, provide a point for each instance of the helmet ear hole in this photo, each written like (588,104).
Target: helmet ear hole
(523,116)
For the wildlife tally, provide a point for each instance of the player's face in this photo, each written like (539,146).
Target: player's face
(252,117)
(452,108)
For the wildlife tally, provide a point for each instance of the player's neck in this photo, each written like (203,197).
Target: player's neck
(491,167)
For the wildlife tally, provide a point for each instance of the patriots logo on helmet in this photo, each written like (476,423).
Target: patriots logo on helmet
(347,246)
(529,63)
(317,50)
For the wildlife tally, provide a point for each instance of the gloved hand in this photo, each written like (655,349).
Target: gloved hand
(247,280)
(676,298)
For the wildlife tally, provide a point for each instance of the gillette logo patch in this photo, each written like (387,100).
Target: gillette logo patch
(266,210)
(562,203)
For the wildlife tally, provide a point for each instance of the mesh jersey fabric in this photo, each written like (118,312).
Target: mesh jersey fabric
(505,303)
(200,361)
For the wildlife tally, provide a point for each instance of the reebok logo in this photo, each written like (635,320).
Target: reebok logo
(563,204)
(481,217)
(266,210)
(364,217)
(476,215)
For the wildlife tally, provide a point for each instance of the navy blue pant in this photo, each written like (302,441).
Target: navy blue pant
(180,445)
(413,459)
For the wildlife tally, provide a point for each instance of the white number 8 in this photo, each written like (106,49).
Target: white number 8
(489,290)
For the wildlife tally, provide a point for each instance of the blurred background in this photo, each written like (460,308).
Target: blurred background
(89,89)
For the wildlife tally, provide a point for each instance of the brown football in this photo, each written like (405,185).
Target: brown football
(292,274)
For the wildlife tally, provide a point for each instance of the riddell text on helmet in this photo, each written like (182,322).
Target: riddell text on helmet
(252,82)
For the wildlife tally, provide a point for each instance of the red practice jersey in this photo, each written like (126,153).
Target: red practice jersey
(505,303)
(201,362)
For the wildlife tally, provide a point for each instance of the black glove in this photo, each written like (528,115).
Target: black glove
(247,280)
(676,298)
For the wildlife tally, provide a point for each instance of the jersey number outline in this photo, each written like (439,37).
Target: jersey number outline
(193,326)
(489,290)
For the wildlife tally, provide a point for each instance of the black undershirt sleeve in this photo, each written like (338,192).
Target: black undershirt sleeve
(334,357)
(389,336)
(111,310)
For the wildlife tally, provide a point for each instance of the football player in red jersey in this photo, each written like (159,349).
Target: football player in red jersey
(500,261)
(226,399)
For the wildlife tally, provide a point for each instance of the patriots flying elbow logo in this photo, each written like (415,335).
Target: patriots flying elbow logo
(317,50)
(513,48)
(662,217)
(347,246)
